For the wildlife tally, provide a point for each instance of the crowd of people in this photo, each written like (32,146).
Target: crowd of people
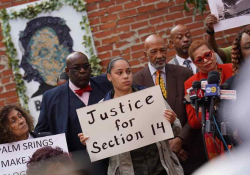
(182,154)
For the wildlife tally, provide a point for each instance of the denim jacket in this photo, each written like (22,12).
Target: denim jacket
(121,164)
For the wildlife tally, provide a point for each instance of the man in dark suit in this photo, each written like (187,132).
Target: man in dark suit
(58,109)
(174,77)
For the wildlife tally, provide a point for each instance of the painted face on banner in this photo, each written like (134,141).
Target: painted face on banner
(47,55)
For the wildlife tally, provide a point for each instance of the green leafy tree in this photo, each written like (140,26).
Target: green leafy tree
(199,5)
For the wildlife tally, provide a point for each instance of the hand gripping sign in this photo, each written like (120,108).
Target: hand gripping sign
(124,124)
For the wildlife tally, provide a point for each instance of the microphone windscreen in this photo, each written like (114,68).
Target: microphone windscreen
(196,85)
(214,73)
(224,86)
(213,79)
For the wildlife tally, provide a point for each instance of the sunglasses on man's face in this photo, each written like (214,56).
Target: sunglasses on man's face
(79,67)
(200,59)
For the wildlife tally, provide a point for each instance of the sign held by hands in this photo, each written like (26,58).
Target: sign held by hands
(125,123)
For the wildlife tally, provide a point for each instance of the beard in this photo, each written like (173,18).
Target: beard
(157,65)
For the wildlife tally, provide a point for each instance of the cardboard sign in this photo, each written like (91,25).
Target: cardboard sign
(14,156)
(124,124)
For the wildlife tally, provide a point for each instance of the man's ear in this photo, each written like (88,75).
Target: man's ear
(145,54)
(171,41)
(66,70)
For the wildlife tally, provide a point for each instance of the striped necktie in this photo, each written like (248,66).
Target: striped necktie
(187,64)
(159,81)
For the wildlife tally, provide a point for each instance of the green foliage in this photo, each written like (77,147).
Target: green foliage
(12,54)
(78,5)
(199,5)
(87,42)
(31,12)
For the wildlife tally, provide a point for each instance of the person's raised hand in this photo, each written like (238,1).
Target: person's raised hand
(170,115)
(210,20)
(82,138)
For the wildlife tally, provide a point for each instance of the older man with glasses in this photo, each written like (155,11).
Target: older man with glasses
(58,109)
(204,58)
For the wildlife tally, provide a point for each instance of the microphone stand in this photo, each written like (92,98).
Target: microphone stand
(203,122)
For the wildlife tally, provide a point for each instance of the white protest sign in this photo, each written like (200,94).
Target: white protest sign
(14,156)
(230,13)
(124,124)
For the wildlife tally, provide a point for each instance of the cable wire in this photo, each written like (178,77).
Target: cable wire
(221,135)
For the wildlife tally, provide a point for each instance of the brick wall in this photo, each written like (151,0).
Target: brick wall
(121,26)
(119,29)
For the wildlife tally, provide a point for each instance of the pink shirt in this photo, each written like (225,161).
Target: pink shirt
(85,96)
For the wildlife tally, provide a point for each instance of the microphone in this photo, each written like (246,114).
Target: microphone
(196,85)
(200,93)
(193,92)
(212,88)
(212,91)
(214,73)
(226,94)
(203,83)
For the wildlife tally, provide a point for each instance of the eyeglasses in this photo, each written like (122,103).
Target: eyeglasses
(207,56)
(79,67)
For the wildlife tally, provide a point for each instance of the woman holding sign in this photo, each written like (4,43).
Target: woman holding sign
(15,124)
(156,158)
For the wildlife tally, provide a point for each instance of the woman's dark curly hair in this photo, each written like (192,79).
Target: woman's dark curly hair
(236,54)
(45,157)
(6,135)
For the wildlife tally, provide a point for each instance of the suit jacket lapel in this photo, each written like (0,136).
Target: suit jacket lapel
(96,94)
(147,78)
(171,85)
(63,107)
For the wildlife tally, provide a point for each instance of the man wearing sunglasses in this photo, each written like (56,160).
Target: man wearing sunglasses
(58,109)
(204,58)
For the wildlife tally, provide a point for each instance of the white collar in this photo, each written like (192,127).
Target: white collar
(181,60)
(152,69)
(74,87)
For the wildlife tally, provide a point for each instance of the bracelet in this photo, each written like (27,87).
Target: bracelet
(209,32)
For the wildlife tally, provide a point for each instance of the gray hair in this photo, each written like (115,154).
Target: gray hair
(111,64)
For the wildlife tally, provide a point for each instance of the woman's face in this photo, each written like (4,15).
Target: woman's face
(245,45)
(18,125)
(121,76)
(208,63)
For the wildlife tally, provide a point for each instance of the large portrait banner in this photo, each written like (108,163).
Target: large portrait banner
(125,123)
(43,43)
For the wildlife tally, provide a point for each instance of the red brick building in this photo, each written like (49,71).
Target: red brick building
(119,29)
